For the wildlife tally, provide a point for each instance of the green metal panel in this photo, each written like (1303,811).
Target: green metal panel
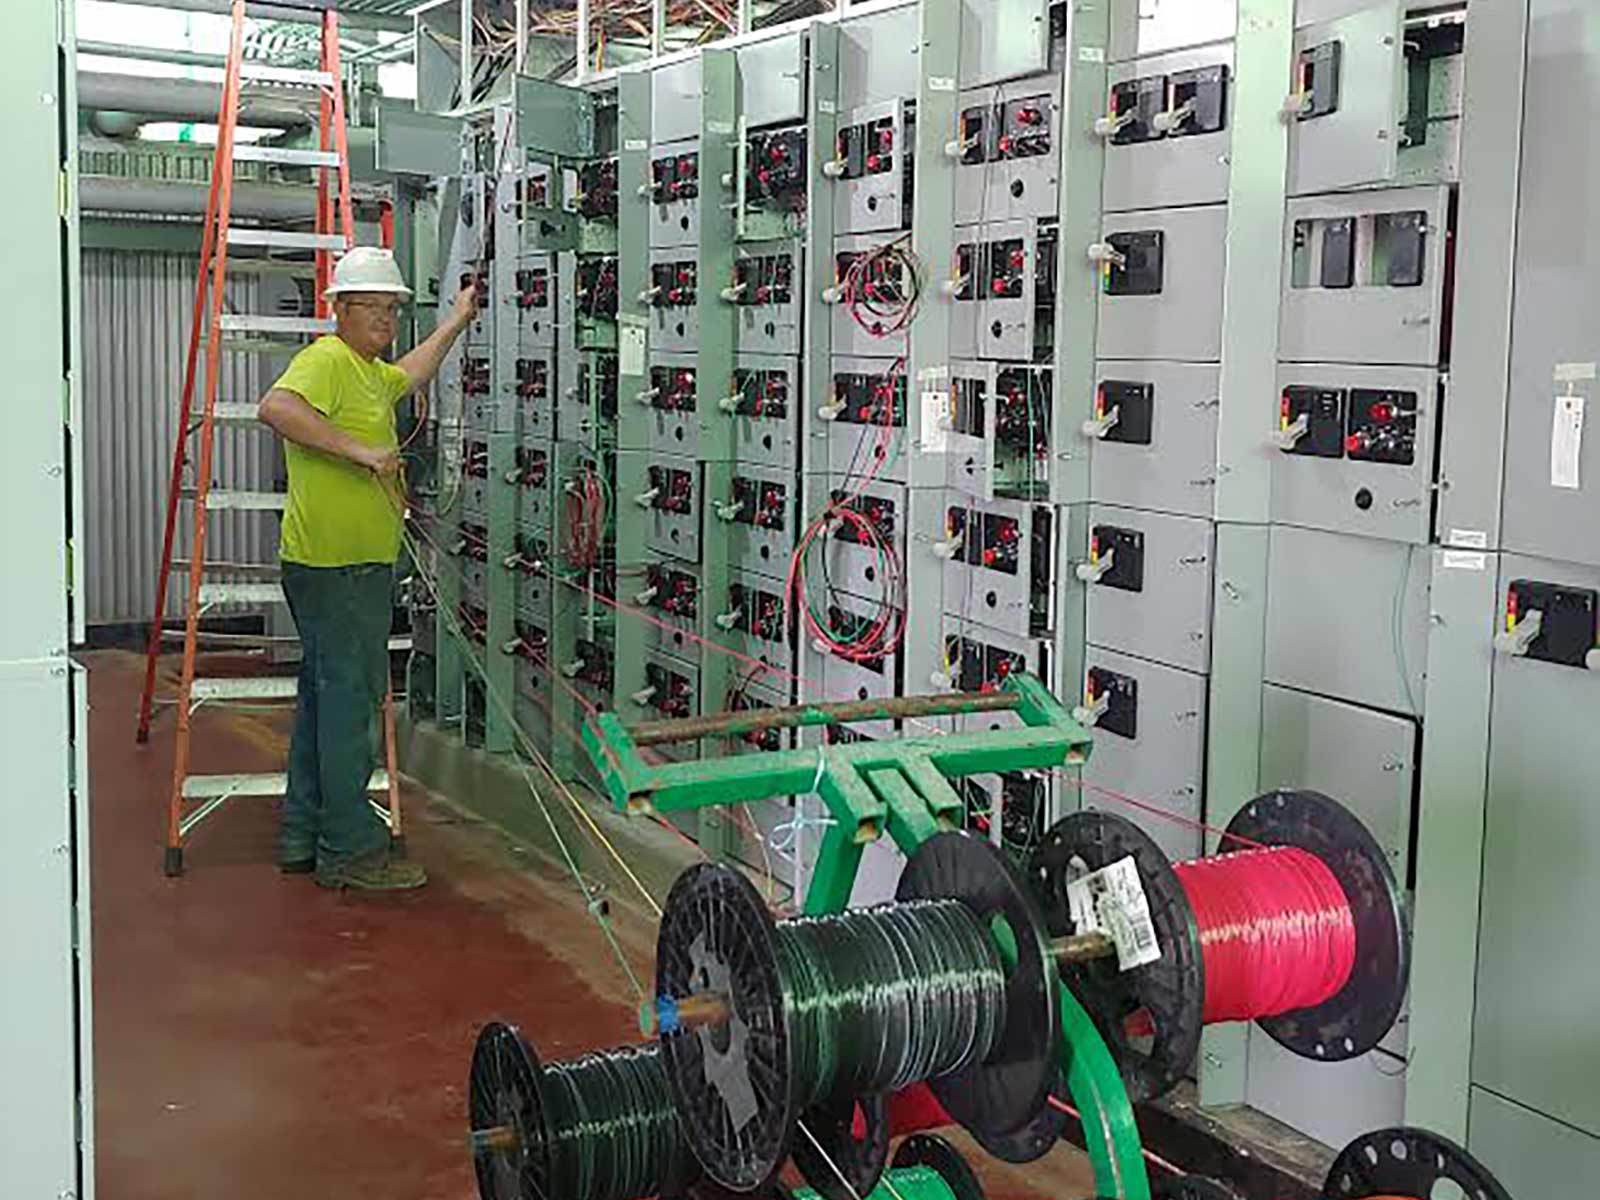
(633,259)
(554,118)
(409,142)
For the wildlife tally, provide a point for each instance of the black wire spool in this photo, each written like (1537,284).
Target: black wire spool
(1037,1137)
(1171,991)
(1407,1162)
(927,1150)
(861,1160)
(1192,1187)
(817,1012)
(600,1127)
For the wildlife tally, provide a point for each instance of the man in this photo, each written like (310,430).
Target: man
(334,408)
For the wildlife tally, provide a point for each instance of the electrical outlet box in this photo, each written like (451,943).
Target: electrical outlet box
(870,167)
(534,298)
(1364,278)
(670,593)
(532,565)
(1165,302)
(672,399)
(671,691)
(846,618)
(847,560)
(670,500)
(761,514)
(765,398)
(671,298)
(755,620)
(866,424)
(999,564)
(1008,164)
(1152,433)
(1159,605)
(532,476)
(587,410)
(866,299)
(768,296)
(1365,463)
(673,189)
(1161,762)
(536,386)
(1346,101)
(1172,139)
(743,695)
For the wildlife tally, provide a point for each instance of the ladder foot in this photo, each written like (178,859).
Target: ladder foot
(173,864)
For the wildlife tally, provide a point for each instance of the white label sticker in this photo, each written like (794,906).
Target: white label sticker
(935,422)
(941,83)
(827,106)
(632,144)
(1091,54)
(1112,901)
(1473,539)
(630,349)
(1465,560)
(1576,372)
(1566,442)
(719,127)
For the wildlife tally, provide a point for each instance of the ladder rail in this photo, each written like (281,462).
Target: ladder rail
(227,124)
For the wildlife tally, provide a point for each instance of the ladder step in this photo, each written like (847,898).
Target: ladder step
(285,156)
(283,239)
(257,72)
(271,783)
(235,414)
(287,346)
(271,687)
(218,499)
(257,323)
(241,593)
(251,641)
(252,570)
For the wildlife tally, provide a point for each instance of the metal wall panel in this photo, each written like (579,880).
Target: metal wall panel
(1176,471)
(1530,1154)
(136,311)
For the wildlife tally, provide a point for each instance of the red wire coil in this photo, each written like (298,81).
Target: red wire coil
(1276,931)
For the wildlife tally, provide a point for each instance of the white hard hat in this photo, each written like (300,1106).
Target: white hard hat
(368,269)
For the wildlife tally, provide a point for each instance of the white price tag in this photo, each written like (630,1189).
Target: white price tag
(1566,442)
(1112,901)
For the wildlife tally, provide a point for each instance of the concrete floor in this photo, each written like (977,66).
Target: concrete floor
(257,1036)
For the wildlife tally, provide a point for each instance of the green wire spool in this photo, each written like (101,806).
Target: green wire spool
(600,1127)
(764,1024)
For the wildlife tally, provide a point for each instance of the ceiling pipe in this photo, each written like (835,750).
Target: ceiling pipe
(309,12)
(196,100)
(185,198)
(178,58)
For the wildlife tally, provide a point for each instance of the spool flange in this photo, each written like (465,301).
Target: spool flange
(1171,990)
(503,1094)
(1006,1091)
(1035,1139)
(1192,1187)
(1407,1162)
(1363,1012)
(862,1160)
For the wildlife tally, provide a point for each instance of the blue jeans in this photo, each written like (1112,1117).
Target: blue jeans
(343,618)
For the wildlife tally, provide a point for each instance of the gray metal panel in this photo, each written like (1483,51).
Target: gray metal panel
(1024,187)
(1170,619)
(674,431)
(1005,326)
(1359,142)
(136,311)
(1177,471)
(769,441)
(873,201)
(675,328)
(1162,766)
(1174,170)
(537,326)
(1184,322)
(676,223)
(773,328)
(409,142)
(675,101)
(39,1104)
(1001,39)
(772,85)
(1333,1102)
(665,632)
(780,654)
(1557,285)
(762,549)
(1367,323)
(1366,760)
(554,118)
(1530,1154)
(1533,1044)
(1348,617)
(852,568)
(990,597)
(877,56)
(1150,26)
(1345,495)
(848,336)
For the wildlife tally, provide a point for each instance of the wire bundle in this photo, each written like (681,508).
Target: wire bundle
(878,999)
(613,1133)
(881,288)
(1277,934)
(588,505)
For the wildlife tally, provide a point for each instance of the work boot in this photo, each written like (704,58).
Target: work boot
(380,872)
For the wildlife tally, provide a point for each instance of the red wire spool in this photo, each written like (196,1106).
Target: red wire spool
(1303,932)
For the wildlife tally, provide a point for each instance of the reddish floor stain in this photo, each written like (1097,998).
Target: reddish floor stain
(258,1036)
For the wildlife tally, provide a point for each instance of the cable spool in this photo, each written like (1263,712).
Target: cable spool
(601,1127)
(1192,1187)
(762,1022)
(925,1168)
(1407,1164)
(1305,934)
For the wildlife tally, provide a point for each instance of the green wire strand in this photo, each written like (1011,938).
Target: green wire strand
(878,999)
(904,1183)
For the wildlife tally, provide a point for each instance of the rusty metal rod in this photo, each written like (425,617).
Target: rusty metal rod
(496,1138)
(1081,947)
(733,724)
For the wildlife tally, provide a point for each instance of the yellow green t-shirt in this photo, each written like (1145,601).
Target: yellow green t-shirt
(340,514)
